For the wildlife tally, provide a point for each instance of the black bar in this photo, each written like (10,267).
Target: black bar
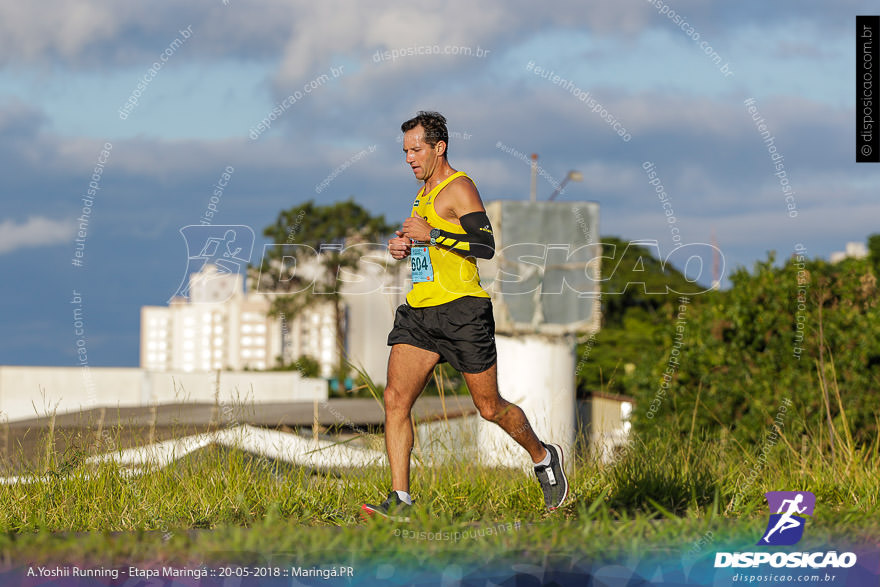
(867,89)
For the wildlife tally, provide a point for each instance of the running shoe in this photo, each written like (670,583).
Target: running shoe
(552,478)
(392,508)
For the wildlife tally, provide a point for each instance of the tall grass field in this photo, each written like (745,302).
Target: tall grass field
(679,498)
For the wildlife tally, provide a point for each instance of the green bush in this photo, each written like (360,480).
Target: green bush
(805,335)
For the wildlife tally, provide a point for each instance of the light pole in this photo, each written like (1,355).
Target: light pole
(533,192)
(572,176)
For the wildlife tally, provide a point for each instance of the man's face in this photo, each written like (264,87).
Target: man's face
(422,157)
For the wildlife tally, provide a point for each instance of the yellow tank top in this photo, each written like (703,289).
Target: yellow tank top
(450,275)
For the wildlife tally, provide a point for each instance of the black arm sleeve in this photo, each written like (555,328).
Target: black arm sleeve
(477,241)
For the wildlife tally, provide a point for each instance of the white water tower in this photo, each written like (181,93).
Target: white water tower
(545,285)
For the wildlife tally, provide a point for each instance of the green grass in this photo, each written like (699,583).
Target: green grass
(661,495)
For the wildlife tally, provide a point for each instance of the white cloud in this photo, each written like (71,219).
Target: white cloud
(306,34)
(97,34)
(325,30)
(55,28)
(36,231)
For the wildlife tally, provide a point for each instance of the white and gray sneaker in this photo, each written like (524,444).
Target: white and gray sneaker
(392,508)
(552,478)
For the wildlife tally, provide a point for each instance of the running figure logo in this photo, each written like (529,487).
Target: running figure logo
(786,526)
(228,247)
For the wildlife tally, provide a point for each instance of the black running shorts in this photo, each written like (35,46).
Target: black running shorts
(462,332)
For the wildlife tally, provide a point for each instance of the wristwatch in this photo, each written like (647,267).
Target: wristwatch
(435,234)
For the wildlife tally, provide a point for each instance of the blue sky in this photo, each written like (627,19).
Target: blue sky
(67,68)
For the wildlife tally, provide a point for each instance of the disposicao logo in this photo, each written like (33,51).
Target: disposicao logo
(785,528)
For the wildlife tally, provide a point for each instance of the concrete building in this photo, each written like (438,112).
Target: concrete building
(312,333)
(29,392)
(604,420)
(371,301)
(218,327)
(853,250)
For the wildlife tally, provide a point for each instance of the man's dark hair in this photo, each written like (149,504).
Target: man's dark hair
(434,124)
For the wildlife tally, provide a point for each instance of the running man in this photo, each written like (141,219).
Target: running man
(447,316)
(786,520)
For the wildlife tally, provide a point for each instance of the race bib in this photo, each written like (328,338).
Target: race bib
(422,270)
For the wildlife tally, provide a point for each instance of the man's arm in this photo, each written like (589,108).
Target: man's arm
(477,240)
(459,203)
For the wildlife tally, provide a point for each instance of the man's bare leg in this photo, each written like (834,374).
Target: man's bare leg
(484,390)
(409,368)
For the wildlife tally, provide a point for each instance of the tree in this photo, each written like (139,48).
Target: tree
(625,267)
(313,245)
(634,314)
(874,251)
(807,332)
(305,365)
